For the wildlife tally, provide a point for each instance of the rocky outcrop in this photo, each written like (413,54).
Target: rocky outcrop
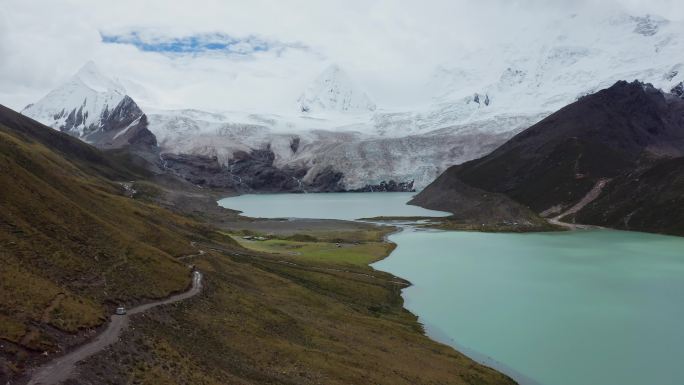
(250,172)
(678,90)
(254,172)
(122,116)
(390,186)
(123,126)
(74,119)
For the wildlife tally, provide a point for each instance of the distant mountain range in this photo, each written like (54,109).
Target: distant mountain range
(614,158)
(336,138)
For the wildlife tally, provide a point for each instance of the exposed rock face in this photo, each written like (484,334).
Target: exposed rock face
(125,126)
(390,186)
(630,133)
(254,171)
(249,172)
(678,90)
(122,116)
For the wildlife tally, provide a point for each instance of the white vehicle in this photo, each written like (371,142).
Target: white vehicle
(120,310)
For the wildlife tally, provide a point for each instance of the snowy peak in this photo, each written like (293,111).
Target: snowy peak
(94,108)
(558,61)
(92,78)
(81,105)
(333,91)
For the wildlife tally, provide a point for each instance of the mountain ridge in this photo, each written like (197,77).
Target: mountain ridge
(627,129)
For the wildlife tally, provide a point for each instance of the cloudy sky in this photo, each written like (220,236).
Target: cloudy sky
(259,54)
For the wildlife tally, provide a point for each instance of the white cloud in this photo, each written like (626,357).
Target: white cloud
(389,46)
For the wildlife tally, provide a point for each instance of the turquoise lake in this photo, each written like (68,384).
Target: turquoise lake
(595,307)
(348,206)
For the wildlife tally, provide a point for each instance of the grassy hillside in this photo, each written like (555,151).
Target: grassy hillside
(334,253)
(264,320)
(72,244)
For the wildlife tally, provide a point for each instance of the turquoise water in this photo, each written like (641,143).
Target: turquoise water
(347,206)
(591,307)
(574,308)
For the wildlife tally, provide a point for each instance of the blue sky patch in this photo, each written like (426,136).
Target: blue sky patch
(196,44)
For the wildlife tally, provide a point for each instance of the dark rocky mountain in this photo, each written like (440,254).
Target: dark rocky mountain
(649,199)
(624,134)
(473,206)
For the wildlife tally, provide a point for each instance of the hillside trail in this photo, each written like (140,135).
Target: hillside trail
(590,197)
(61,368)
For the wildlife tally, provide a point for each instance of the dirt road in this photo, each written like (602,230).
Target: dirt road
(590,197)
(61,368)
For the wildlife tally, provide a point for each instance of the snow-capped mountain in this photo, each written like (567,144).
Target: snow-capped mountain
(561,60)
(478,103)
(94,108)
(336,132)
(334,91)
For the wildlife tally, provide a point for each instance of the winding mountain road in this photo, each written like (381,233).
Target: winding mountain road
(61,368)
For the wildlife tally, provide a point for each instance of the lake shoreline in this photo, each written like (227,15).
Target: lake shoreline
(435,334)
(408,222)
(598,269)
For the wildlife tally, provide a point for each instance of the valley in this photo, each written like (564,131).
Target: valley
(260,317)
(280,277)
(334,193)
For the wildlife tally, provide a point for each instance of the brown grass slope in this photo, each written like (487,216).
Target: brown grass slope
(260,321)
(71,242)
